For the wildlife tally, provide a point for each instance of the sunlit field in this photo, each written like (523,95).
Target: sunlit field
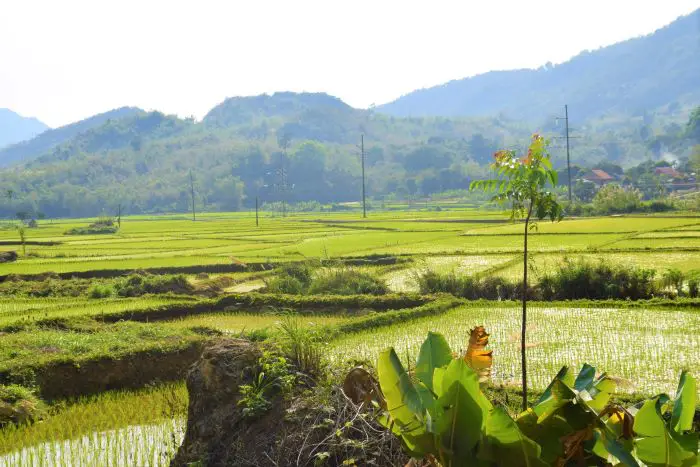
(645,348)
(144,243)
(648,354)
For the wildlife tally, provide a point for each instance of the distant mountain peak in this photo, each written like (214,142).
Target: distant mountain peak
(242,109)
(15,127)
(49,139)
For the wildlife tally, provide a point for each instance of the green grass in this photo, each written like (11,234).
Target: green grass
(161,241)
(242,322)
(22,311)
(647,346)
(34,347)
(90,431)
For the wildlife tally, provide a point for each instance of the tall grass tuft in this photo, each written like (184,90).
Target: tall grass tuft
(301,344)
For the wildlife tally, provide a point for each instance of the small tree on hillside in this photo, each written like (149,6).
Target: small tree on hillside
(22,239)
(522,184)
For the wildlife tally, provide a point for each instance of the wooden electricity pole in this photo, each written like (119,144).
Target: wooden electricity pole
(119,215)
(257,223)
(568,157)
(194,216)
(362,159)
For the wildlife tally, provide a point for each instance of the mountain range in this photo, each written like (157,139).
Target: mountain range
(644,74)
(15,128)
(302,147)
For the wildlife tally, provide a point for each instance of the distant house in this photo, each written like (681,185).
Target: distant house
(599,177)
(668,172)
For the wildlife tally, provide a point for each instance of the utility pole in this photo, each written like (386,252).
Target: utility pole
(194,216)
(256,212)
(119,215)
(568,156)
(283,174)
(364,201)
(568,147)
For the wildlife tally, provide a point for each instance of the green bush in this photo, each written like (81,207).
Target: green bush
(658,205)
(286,284)
(92,230)
(293,278)
(136,285)
(347,281)
(100,291)
(673,279)
(614,199)
(491,288)
(308,278)
(19,405)
(586,279)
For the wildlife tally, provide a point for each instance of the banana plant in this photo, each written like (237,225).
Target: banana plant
(440,413)
(664,428)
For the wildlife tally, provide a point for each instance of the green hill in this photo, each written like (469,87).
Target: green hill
(293,147)
(50,139)
(657,73)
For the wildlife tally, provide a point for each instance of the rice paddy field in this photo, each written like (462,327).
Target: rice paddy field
(645,346)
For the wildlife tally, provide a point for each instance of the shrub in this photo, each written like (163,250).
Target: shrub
(614,199)
(92,230)
(673,279)
(585,279)
(19,405)
(100,291)
(307,278)
(272,378)
(659,206)
(286,284)
(136,285)
(347,281)
(491,288)
(693,288)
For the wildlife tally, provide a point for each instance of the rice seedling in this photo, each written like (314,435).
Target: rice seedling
(614,339)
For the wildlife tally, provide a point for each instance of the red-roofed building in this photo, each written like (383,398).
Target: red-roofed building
(668,171)
(599,177)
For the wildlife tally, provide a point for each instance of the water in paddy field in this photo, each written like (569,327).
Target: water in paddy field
(137,445)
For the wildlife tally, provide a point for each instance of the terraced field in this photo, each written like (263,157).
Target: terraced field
(480,238)
(225,258)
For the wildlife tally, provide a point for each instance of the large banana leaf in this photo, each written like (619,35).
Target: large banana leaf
(505,444)
(404,404)
(684,404)
(434,353)
(465,411)
(655,445)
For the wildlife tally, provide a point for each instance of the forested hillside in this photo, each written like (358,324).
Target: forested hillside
(15,128)
(628,103)
(656,73)
(50,139)
(293,147)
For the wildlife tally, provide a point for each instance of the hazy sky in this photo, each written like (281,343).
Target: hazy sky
(64,60)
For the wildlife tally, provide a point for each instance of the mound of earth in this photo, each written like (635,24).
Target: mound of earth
(8,256)
(317,426)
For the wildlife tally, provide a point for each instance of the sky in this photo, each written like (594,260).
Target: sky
(62,61)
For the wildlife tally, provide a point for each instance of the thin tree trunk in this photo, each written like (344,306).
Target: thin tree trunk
(523,357)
